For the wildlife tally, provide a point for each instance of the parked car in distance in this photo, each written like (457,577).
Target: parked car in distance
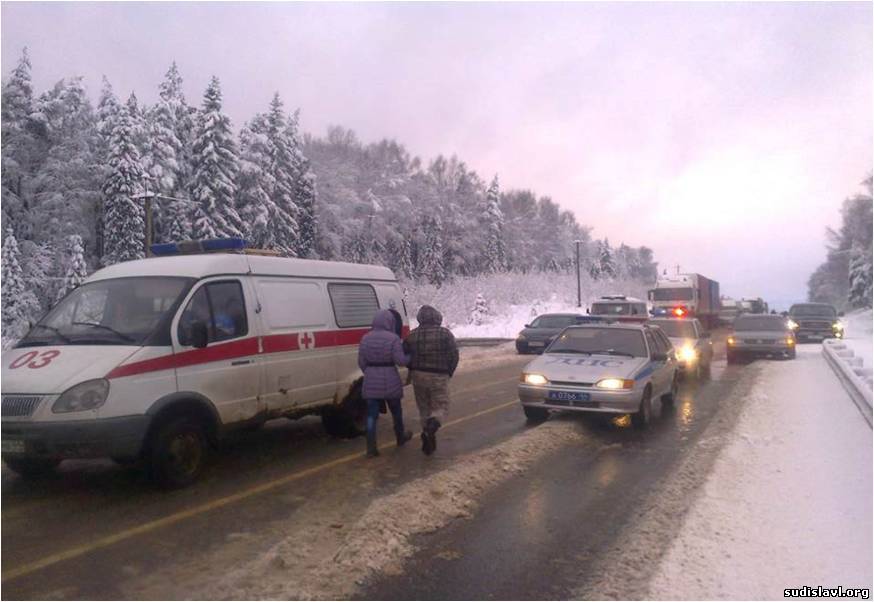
(815,322)
(620,308)
(759,335)
(537,335)
(692,344)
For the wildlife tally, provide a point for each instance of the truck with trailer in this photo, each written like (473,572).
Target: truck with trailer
(683,295)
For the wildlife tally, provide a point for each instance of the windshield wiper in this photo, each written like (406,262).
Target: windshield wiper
(612,352)
(61,335)
(121,335)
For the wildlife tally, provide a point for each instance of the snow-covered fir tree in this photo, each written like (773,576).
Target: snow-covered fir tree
(480,310)
(215,166)
(75,268)
(19,305)
(861,277)
(18,145)
(124,216)
(304,191)
(166,157)
(606,262)
(431,261)
(492,228)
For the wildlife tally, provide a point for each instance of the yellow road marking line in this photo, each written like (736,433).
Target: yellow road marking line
(176,517)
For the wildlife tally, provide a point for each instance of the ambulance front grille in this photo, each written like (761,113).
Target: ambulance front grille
(17,406)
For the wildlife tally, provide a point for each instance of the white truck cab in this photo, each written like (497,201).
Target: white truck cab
(156,358)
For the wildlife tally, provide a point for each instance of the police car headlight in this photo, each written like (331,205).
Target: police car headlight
(792,324)
(688,353)
(534,379)
(614,383)
(85,396)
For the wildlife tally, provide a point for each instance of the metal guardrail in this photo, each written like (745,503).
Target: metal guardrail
(481,342)
(837,355)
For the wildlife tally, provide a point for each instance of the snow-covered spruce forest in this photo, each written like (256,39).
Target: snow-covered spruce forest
(72,170)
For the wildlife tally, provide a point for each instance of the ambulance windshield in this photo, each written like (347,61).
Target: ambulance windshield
(119,311)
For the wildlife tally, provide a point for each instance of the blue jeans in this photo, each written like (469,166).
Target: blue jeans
(397,414)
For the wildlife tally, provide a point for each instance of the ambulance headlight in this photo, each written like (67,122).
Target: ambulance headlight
(534,379)
(88,395)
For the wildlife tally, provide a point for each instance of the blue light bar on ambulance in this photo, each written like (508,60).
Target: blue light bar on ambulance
(190,247)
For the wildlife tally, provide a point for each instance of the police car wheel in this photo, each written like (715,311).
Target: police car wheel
(535,414)
(641,418)
(177,453)
(670,396)
(30,467)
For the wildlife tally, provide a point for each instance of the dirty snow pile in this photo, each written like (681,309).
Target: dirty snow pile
(499,305)
(324,562)
(788,502)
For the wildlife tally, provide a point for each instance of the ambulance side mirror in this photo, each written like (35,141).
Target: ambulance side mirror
(199,335)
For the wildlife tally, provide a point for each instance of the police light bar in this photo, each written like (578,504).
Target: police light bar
(190,247)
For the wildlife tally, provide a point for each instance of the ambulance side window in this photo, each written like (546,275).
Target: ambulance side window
(354,304)
(219,305)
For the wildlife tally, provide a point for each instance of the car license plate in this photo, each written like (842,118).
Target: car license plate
(535,344)
(567,396)
(12,446)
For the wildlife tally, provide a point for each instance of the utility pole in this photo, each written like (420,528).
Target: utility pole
(147,197)
(579,290)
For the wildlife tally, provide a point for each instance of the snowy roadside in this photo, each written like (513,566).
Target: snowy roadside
(858,335)
(331,559)
(788,501)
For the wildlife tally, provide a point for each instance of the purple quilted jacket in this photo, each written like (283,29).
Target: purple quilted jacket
(381,349)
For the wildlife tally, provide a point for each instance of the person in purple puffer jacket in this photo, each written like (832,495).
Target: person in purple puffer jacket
(379,354)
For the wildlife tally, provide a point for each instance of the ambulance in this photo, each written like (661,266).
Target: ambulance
(155,360)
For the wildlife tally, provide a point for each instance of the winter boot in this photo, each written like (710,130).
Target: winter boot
(429,436)
(403,436)
(372,448)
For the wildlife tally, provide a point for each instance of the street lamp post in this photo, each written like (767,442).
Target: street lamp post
(579,289)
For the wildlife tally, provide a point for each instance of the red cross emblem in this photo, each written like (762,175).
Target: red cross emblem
(306,340)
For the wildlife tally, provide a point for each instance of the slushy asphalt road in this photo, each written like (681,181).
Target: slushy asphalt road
(96,528)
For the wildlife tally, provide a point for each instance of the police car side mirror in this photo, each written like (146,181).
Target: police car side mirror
(199,335)
(659,357)
(705,335)
(840,314)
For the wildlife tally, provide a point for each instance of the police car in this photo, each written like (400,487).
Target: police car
(158,358)
(617,368)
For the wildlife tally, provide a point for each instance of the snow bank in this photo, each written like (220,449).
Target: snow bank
(513,300)
(858,335)
(331,561)
(788,502)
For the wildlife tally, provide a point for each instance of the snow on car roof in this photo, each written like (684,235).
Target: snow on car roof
(211,264)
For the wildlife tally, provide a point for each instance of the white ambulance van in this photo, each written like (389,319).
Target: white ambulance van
(156,359)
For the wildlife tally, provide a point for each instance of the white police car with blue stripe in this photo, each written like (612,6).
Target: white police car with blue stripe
(607,368)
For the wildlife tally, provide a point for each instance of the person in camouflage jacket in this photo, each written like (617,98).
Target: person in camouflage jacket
(433,360)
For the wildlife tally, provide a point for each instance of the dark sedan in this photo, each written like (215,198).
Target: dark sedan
(535,337)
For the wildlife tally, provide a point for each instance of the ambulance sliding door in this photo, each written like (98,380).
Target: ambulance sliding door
(299,356)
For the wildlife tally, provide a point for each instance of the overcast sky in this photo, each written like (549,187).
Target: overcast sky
(724,136)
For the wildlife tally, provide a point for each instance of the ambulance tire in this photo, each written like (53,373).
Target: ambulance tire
(177,453)
(30,468)
(338,424)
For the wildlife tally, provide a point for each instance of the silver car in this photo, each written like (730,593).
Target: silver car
(606,368)
(692,346)
(757,335)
